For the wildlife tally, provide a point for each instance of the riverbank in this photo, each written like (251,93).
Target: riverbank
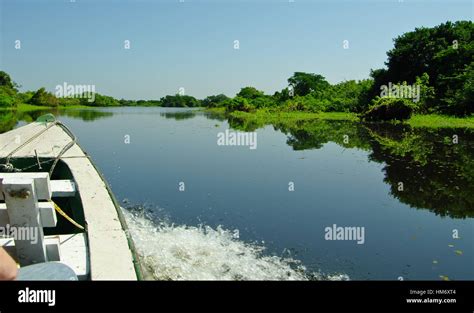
(441,121)
(262,116)
(24,107)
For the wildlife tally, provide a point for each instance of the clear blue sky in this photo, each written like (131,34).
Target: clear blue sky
(190,44)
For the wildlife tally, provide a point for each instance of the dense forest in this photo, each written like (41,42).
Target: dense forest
(429,70)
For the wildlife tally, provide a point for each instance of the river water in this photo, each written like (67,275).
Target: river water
(200,210)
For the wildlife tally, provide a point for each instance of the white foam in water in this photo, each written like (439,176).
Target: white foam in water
(171,252)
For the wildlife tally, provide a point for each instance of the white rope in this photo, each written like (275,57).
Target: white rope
(8,167)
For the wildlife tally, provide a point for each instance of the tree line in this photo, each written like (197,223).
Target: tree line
(435,63)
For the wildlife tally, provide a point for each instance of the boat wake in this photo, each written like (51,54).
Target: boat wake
(180,252)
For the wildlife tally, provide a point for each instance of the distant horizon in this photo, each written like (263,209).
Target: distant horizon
(191,45)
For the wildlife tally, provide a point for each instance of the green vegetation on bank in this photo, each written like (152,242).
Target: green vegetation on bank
(265,117)
(25,107)
(270,116)
(428,71)
(440,121)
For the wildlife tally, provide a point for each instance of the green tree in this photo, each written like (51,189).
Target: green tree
(282,96)
(44,98)
(100,101)
(443,52)
(348,96)
(178,100)
(238,104)
(214,101)
(388,108)
(7,97)
(6,81)
(8,91)
(250,93)
(305,83)
(461,101)
(427,94)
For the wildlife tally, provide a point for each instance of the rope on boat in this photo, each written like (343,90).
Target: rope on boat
(9,156)
(73,222)
(10,168)
(66,148)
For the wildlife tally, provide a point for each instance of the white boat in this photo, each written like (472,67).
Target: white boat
(49,184)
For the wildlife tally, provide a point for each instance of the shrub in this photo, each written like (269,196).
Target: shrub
(427,94)
(386,108)
(303,104)
(7,97)
(250,93)
(179,101)
(214,101)
(238,104)
(262,102)
(461,101)
(43,98)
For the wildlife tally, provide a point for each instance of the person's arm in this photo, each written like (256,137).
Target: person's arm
(8,268)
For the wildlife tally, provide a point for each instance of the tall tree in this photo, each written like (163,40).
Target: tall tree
(6,81)
(305,83)
(250,93)
(444,52)
(43,98)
